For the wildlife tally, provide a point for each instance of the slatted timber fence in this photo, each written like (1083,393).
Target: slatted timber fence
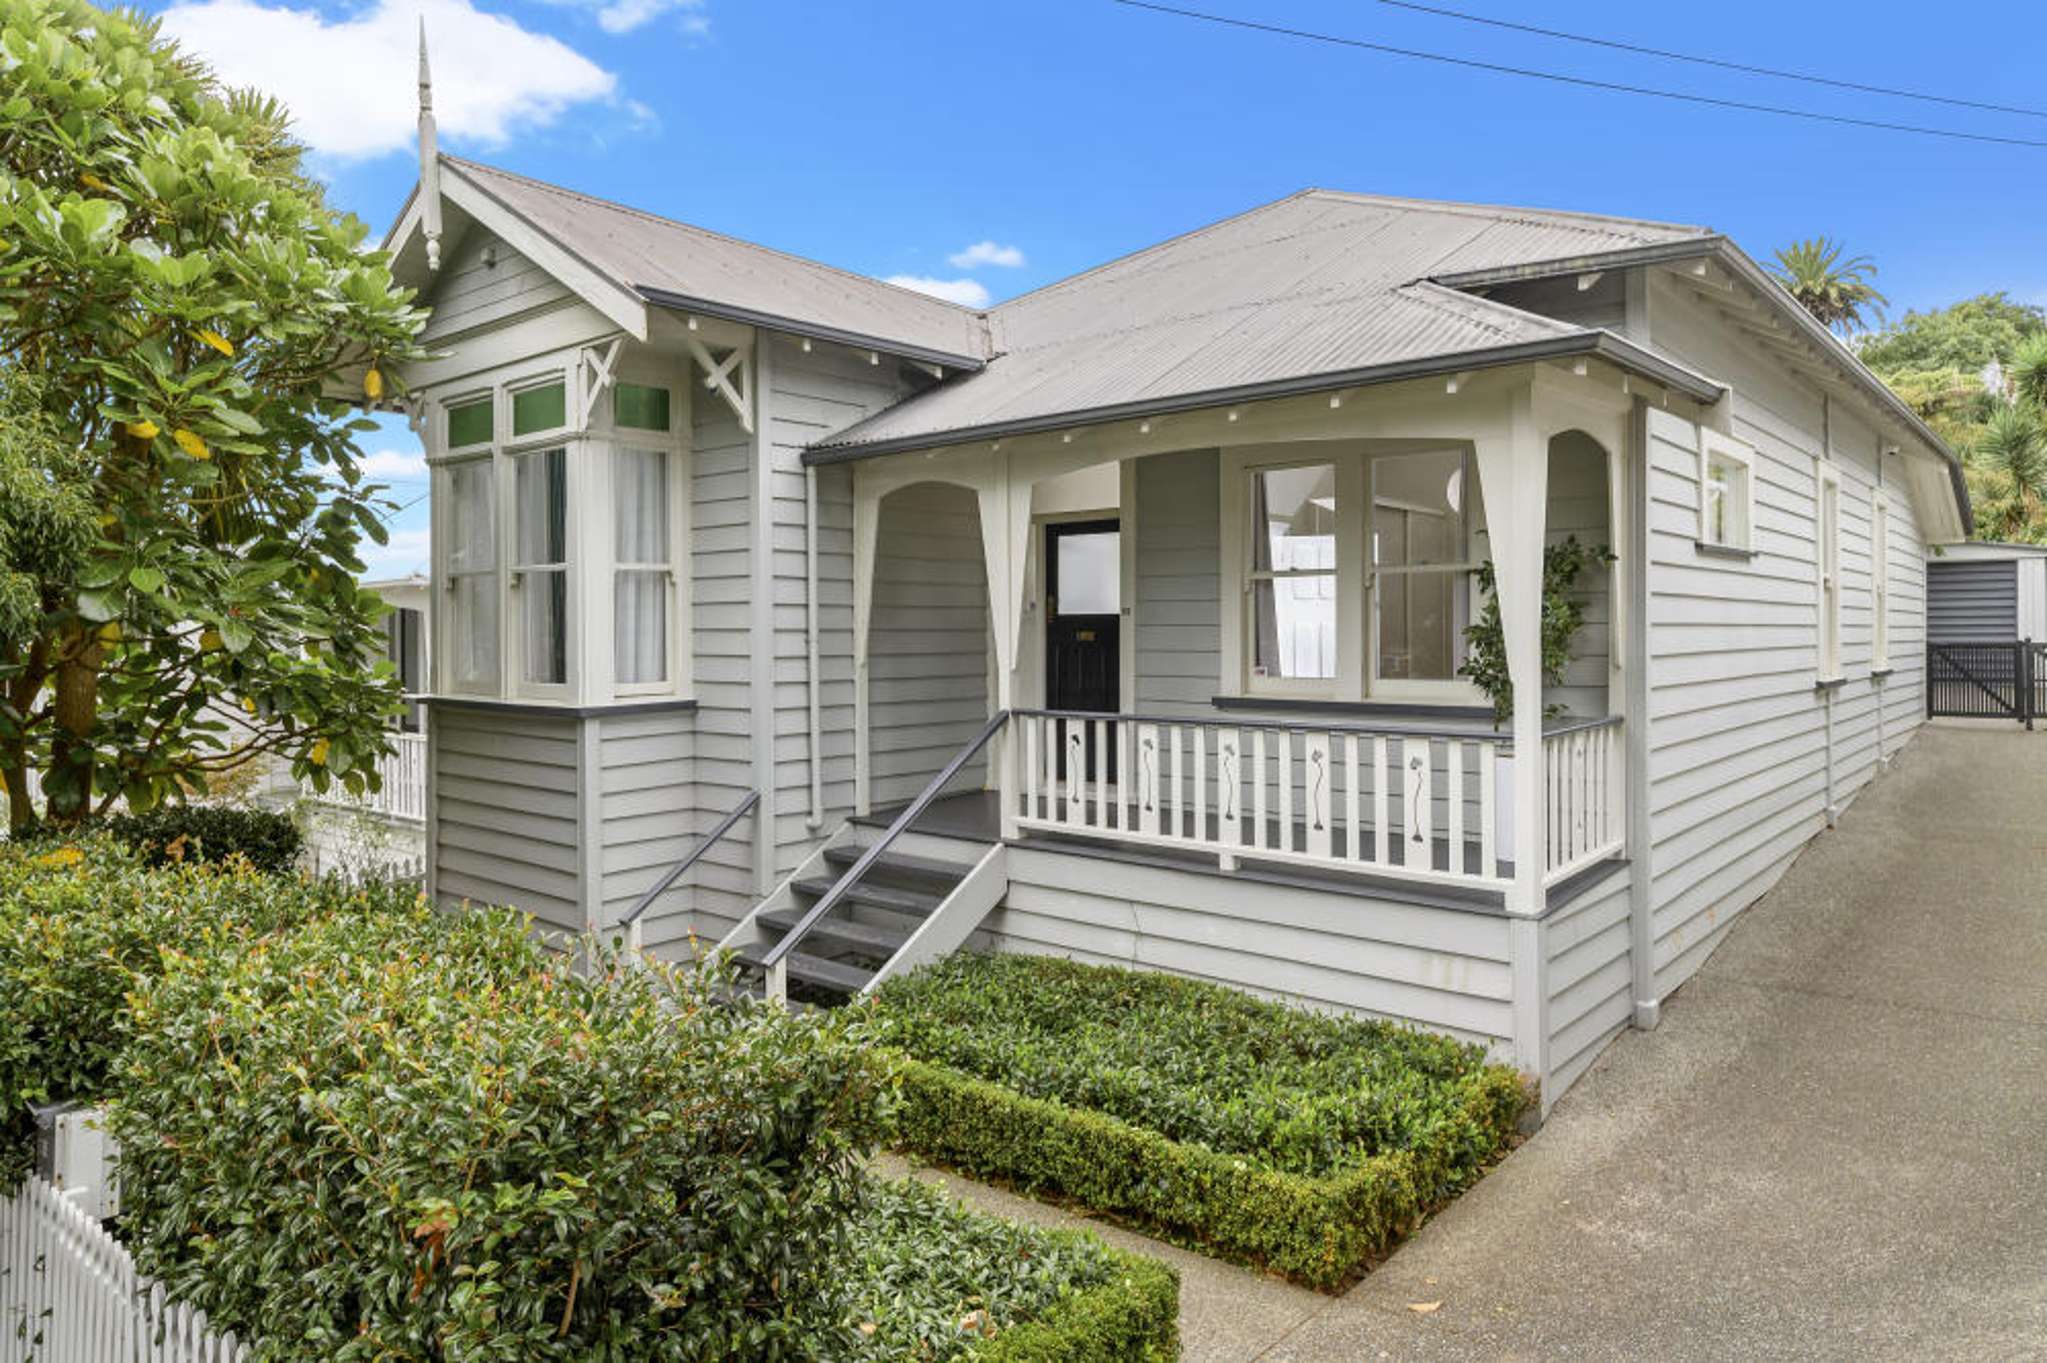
(70,1293)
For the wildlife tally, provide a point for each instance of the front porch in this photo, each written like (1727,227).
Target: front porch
(1254,662)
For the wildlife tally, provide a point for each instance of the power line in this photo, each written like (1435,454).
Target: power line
(1587,82)
(1724,65)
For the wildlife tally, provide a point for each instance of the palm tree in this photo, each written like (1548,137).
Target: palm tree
(2028,371)
(1838,292)
(2012,454)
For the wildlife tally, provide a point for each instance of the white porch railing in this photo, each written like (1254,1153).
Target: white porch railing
(402,792)
(1587,818)
(69,1293)
(1426,805)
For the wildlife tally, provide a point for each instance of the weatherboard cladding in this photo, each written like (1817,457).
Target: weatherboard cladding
(1319,283)
(641,253)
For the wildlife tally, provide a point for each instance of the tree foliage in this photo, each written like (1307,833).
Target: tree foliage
(186,306)
(1939,362)
(1563,563)
(1834,287)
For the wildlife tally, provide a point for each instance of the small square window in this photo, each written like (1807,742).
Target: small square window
(640,407)
(544,408)
(470,423)
(1726,494)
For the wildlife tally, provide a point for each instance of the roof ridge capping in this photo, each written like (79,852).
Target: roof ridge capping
(1466,208)
(614,205)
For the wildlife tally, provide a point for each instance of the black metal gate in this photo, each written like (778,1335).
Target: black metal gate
(1987,680)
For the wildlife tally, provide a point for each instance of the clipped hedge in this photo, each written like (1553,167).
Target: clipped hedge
(421,1136)
(1299,1142)
(926,1278)
(269,841)
(84,924)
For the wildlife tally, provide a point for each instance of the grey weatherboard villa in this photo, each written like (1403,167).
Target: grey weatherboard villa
(1148,589)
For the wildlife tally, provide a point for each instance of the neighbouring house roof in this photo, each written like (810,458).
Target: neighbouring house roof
(673,264)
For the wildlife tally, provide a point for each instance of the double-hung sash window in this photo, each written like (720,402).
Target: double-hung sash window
(642,586)
(472,575)
(1292,580)
(1420,565)
(1356,574)
(1829,572)
(540,578)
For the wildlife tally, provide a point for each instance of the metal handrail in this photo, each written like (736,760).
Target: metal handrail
(675,872)
(829,900)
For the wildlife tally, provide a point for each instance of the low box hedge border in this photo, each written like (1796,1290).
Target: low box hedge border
(1135,1319)
(1320,1232)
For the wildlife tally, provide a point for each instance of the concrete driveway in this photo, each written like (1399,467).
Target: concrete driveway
(1834,1146)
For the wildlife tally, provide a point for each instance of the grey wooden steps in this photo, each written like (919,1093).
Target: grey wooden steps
(840,935)
(873,920)
(818,972)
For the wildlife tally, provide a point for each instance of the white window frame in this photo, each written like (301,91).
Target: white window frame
(519,575)
(1356,599)
(674,444)
(1428,691)
(442,671)
(1296,687)
(1827,574)
(1880,580)
(1715,447)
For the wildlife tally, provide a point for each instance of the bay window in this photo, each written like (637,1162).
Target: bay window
(641,556)
(472,576)
(540,563)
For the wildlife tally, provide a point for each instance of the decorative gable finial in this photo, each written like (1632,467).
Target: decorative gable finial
(429,158)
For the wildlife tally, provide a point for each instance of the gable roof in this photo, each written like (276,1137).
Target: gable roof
(1317,284)
(672,264)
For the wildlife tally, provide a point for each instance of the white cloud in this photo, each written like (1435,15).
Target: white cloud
(969,293)
(623,16)
(351,82)
(386,466)
(407,552)
(987,253)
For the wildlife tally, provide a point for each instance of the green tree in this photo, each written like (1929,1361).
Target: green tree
(198,322)
(1837,291)
(1963,336)
(2009,464)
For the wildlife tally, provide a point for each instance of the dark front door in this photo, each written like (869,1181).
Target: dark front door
(1083,622)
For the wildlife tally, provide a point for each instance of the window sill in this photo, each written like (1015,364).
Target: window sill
(1363,709)
(1726,551)
(1879,673)
(1826,684)
(563,709)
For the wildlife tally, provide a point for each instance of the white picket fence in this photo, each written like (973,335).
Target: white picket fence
(69,1293)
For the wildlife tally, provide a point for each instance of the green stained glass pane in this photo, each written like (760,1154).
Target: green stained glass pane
(640,407)
(540,409)
(469,424)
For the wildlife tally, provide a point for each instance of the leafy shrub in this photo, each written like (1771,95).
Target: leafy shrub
(1298,1141)
(84,924)
(928,1279)
(421,1136)
(177,833)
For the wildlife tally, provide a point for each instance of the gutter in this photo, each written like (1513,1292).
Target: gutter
(1604,345)
(796,326)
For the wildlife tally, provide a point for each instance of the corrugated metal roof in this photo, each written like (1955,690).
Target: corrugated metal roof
(673,262)
(1319,283)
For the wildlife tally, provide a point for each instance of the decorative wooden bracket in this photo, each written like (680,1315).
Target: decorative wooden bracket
(415,414)
(599,373)
(730,378)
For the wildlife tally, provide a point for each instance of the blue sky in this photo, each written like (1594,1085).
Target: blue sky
(891,136)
